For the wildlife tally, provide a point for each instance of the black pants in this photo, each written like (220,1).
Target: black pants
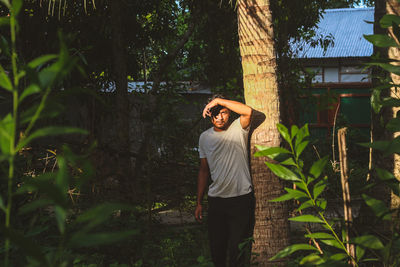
(230,223)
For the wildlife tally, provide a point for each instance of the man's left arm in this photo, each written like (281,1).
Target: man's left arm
(243,110)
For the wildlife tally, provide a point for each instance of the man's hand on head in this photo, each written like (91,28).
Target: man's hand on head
(207,109)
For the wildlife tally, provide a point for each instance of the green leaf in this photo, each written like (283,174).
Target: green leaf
(306,218)
(301,134)
(386,66)
(318,189)
(61,216)
(267,151)
(5,81)
(388,20)
(300,148)
(37,62)
(291,249)
(2,206)
(282,198)
(305,205)
(339,257)
(97,239)
(34,205)
(49,131)
(16,6)
(332,243)
(30,90)
(380,40)
(99,214)
(288,162)
(294,131)
(6,3)
(360,251)
(367,241)
(313,259)
(320,235)
(376,102)
(318,166)
(378,207)
(282,172)
(26,245)
(393,125)
(4,21)
(6,129)
(321,203)
(284,132)
(297,194)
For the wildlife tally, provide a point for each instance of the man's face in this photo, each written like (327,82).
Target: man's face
(221,120)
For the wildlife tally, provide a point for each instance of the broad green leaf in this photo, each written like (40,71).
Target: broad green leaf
(27,245)
(360,251)
(2,206)
(318,189)
(291,249)
(301,185)
(5,81)
(284,132)
(297,194)
(338,257)
(37,62)
(267,151)
(300,148)
(282,198)
(388,20)
(16,6)
(282,172)
(97,239)
(321,203)
(384,175)
(30,90)
(320,235)
(99,214)
(380,40)
(378,207)
(386,66)
(49,131)
(288,162)
(61,216)
(306,218)
(305,205)
(318,166)
(294,131)
(4,21)
(6,3)
(332,243)
(367,241)
(313,259)
(301,135)
(6,129)
(393,125)
(34,205)
(376,102)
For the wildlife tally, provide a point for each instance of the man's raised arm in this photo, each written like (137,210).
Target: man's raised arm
(243,110)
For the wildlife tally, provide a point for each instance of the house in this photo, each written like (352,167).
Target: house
(339,70)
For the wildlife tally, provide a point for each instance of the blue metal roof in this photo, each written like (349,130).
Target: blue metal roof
(347,26)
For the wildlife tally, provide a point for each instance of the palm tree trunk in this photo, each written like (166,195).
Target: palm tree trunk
(256,42)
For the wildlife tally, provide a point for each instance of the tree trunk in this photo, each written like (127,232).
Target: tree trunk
(256,42)
(393,7)
(119,72)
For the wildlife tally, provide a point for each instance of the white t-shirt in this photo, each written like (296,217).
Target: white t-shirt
(226,153)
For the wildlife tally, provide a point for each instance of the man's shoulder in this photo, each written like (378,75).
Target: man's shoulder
(206,133)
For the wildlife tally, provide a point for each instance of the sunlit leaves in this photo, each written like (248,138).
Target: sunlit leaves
(282,172)
(380,40)
(291,249)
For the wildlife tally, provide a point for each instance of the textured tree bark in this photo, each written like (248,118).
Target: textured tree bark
(393,7)
(119,71)
(271,232)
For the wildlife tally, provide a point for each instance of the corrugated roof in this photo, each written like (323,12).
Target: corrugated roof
(347,26)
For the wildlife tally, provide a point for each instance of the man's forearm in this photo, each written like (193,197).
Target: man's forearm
(201,186)
(237,107)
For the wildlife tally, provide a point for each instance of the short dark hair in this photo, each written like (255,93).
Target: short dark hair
(216,96)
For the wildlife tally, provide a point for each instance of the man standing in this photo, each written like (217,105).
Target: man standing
(224,156)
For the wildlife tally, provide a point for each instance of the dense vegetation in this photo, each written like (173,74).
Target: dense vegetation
(86,167)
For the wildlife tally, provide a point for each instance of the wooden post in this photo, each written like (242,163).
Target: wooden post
(344,174)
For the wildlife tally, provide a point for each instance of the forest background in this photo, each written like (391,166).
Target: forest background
(149,164)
